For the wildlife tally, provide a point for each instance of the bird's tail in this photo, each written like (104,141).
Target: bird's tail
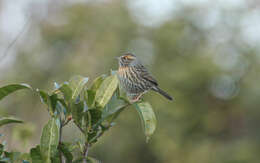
(166,95)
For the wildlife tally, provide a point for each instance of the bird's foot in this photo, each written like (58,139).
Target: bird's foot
(136,98)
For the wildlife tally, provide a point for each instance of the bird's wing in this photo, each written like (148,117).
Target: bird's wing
(144,73)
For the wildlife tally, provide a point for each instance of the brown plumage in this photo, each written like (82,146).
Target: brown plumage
(135,78)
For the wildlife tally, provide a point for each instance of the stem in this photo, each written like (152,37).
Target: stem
(66,121)
(61,154)
(96,137)
(62,160)
(79,127)
(60,136)
(85,152)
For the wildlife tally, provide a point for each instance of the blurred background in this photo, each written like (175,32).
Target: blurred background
(203,52)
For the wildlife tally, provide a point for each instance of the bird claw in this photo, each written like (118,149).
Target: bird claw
(136,98)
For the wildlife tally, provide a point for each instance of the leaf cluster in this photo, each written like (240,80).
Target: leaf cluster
(92,108)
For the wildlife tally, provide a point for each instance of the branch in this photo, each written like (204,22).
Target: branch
(15,40)
(62,160)
(85,152)
(66,121)
(79,127)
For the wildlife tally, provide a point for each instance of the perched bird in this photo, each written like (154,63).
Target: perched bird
(135,78)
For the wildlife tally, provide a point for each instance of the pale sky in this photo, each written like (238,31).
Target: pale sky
(147,12)
(14,12)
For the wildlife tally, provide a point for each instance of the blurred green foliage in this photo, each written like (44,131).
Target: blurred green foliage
(92,110)
(212,72)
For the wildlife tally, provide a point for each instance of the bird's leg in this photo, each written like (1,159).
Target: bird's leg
(136,97)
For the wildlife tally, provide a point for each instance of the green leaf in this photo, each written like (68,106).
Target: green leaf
(35,154)
(112,117)
(44,97)
(66,91)
(147,117)
(65,149)
(49,100)
(50,139)
(95,115)
(97,82)
(77,84)
(78,113)
(56,157)
(92,91)
(96,118)
(53,102)
(62,106)
(16,157)
(106,90)
(7,120)
(1,149)
(23,157)
(6,90)
(113,106)
(91,97)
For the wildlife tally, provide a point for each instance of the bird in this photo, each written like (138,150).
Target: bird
(135,79)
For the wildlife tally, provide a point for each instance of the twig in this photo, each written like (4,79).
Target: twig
(15,40)
(62,160)
(79,128)
(60,136)
(85,152)
(66,121)
(96,137)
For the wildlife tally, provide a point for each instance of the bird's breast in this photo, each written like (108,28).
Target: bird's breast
(122,71)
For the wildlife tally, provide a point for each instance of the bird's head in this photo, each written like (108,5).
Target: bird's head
(126,60)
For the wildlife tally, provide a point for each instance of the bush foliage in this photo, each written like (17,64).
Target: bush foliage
(92,109)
